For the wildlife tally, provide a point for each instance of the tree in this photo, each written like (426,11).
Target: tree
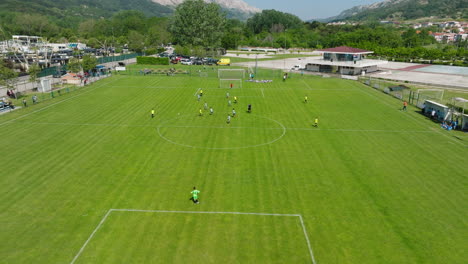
(88,28)
(32,23)
(89,62)
(157,32)
(7,76)
(198,23)
(74,65)
(33,71)
(273,21)
(182,50)
(136,41)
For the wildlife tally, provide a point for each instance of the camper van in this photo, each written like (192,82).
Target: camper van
(226,62)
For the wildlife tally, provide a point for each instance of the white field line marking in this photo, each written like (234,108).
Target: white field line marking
(91,236)
(46,107)
(306,84)
(306,235)
(240,127)
(250,146)
(208,88)
(152,87)
(262,93)
(413,118)
(244,96)
(195,94)
(84,124)
(199,212)
(307,239)
(307,129)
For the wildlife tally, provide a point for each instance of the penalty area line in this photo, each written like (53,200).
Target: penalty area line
(306,235)
(195,94)
(91,236)
(306,84)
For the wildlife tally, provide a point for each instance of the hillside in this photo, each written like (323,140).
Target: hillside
(406,10)
(238,5)
(83,8)
(76,10)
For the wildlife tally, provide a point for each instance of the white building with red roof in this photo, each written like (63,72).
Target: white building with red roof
(344,60)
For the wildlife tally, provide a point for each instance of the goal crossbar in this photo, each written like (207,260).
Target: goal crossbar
(231,73)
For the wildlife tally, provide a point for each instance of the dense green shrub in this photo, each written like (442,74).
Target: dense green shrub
(152,60)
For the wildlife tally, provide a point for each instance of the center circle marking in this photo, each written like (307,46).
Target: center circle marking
(240,147)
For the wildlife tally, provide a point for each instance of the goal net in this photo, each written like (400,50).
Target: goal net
(230,83)
(422,95)
(45,85)
(231,73)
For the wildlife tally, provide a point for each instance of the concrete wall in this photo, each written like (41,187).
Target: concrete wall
(313,68)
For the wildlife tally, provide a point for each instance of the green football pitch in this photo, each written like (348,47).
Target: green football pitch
(90,177)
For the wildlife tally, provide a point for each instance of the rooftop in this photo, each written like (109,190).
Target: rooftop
(358,64)
(345,49)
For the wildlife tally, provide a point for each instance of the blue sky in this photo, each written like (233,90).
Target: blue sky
(308,9)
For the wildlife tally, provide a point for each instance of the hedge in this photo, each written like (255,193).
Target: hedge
(152,60)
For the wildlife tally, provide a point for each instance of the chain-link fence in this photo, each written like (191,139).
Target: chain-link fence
(415,93)
(110,59)
(26,92)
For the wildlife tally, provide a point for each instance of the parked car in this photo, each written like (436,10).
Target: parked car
(210,61)
(224,62)
(186,62)
(197,62)
(296,67)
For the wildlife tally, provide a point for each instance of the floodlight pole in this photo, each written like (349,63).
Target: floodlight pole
(256,64)
(284,60)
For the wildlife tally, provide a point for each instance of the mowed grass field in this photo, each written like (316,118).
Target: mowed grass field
(90,177)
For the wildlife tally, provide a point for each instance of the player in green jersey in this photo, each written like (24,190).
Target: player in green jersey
(195,193)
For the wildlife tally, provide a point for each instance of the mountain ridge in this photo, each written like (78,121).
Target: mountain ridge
(227,4)
(404,10)
(74,10)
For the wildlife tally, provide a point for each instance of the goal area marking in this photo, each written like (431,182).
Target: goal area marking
(312,258)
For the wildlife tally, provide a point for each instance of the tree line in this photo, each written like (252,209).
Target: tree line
(197,25)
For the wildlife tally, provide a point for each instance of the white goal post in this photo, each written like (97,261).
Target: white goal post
(231,73)
(429,94)
(230,83)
